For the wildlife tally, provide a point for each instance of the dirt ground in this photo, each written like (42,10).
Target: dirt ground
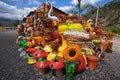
(13,67)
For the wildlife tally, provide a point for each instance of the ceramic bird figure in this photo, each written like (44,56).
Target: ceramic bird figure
(89,22)
(49,14)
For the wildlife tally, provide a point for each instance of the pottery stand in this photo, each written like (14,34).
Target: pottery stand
(59,72)
(41,71)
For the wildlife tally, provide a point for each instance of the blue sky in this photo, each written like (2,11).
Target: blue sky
(17,9)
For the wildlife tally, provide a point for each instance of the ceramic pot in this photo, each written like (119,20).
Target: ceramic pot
(92,61)
(47,38)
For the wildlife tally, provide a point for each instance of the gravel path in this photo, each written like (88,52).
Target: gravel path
(12,67)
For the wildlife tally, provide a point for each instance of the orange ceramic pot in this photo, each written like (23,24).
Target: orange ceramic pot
(92,61)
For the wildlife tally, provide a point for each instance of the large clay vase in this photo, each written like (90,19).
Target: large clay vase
(92,61)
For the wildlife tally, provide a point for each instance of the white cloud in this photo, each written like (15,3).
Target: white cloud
(74,2)
(83,2)
(34,2)
(12,12)
(65,8)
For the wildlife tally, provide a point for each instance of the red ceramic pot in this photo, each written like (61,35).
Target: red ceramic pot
(82,64)
(43,64)
(57,64)
(39,54)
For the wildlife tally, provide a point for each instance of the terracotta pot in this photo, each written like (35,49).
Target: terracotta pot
(109,47)
(92,61)
(47,38)
(57,35)
(98,31)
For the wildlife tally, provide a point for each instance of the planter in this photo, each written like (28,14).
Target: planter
(92,61)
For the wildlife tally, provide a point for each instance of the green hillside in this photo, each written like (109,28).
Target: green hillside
(110,12)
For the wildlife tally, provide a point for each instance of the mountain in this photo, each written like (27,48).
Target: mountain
(110,13)
(8,22)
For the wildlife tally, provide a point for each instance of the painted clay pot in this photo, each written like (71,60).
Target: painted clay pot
(31,60)
(92,61)
(96,41)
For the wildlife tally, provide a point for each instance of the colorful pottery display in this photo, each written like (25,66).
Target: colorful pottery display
(62,42)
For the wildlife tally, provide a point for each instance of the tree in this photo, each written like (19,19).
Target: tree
(15,23)
(78,9)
